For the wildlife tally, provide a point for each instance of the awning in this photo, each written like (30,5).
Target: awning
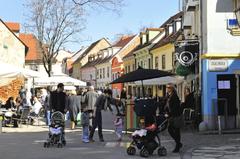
(55,80)
(162,80)
(11,71)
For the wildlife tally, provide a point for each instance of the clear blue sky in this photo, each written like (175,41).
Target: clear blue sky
(135,14)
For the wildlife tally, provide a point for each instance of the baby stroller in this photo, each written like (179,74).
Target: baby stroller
(147,139)
(56,131)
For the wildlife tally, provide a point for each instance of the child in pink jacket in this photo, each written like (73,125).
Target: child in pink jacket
(118,122)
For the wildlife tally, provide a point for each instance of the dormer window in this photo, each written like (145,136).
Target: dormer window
(178,24)
(141,40)
(170,28)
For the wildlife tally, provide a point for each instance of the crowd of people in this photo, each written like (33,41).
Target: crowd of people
(89,104)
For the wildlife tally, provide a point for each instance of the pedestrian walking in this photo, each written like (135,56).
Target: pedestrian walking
(174,115)
(90,100)
(188,99)
(123,98)
(85,125)
(58,102)
(118,123)
(74,107)
(102,102)
(47,107)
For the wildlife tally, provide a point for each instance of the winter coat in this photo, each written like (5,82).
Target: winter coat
(74,106)
(90,99)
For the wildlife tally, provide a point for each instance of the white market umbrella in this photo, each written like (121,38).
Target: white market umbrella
(55,80)
(162,80)
(11,71)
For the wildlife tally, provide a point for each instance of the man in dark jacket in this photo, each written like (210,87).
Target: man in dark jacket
(58,102)
(102,102)
(58,99)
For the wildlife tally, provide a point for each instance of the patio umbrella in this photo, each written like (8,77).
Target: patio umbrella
(55,80)
(142,74)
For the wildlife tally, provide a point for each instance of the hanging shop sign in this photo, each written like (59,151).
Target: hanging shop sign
(187,52)
(217,65)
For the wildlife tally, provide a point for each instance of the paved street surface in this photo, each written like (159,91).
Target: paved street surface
(27,143)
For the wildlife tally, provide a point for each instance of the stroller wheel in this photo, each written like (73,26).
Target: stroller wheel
(144,152)
(162,151)
(45,145)
(64,142)
(59,145)
(131,150)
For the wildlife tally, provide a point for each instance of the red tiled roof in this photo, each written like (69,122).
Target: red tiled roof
(15,27)
(124,40)
(34,50)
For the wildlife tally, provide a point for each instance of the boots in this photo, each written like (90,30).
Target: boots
(177,148)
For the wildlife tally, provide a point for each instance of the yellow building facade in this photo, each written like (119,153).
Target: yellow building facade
(162,60)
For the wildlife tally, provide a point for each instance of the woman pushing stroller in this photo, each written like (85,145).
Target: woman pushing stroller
(174,115)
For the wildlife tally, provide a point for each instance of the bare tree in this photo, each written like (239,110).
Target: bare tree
(56,22)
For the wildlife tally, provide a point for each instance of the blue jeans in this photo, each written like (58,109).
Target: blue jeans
(85,133)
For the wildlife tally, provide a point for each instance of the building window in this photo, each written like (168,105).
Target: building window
(141,64)
(156,62)
(125,69)
(163,62)
(100,73)
(103,72)
(108,72)
(129,68)
(149,63)
(133,67)
(97,74)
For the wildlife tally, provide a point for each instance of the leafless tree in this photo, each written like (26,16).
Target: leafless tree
(56,22)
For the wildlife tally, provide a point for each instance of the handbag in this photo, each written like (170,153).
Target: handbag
(177,121)
(79,118)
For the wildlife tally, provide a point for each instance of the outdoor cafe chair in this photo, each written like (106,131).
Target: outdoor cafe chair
(24,118)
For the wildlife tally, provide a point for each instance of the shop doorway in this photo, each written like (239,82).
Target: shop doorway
(226,100)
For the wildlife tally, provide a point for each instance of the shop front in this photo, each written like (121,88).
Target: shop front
(220,93)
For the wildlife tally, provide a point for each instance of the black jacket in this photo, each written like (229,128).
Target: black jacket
(173,105)
(58,101)
(100,103)
(189,101)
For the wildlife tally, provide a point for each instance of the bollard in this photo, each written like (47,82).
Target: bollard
(219,125)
